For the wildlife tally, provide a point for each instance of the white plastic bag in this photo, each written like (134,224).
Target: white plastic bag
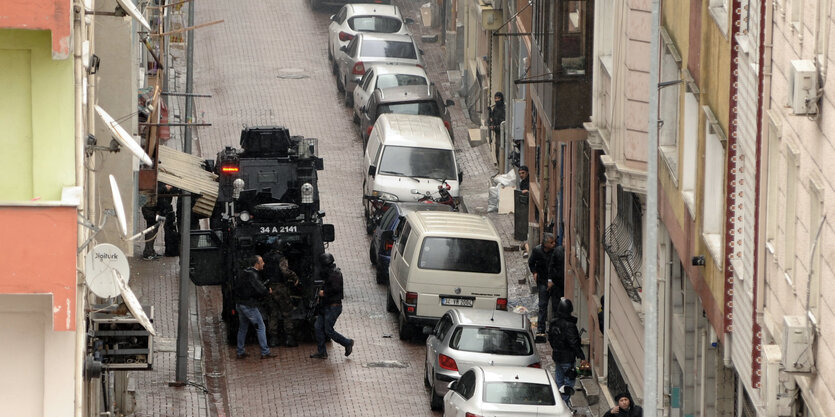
(506,180)
(493,199)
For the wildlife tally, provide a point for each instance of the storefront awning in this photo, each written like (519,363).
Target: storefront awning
(185,172)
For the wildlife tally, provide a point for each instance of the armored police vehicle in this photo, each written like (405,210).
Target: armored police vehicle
(268,198)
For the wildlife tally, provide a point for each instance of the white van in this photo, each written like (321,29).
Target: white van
(444,260)
(407,156)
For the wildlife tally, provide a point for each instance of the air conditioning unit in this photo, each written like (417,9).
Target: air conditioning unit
(778,388)
(803,86)
(798,336)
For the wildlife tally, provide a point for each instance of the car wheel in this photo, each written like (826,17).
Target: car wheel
(372,256)
(349,98)
(381,276)
(335,68)
(404,328)
(436,402)
(330,52)
(426,375)
(339,86)
(356,119)
(390,306)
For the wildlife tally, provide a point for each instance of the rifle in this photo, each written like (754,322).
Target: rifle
(315,301)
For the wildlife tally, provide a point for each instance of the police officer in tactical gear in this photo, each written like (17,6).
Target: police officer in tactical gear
(279,307)
(331,307)
(565,342)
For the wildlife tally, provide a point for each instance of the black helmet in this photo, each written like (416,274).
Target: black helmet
(564,308)
(326,259)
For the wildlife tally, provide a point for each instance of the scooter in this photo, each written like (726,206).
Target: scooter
(444,197)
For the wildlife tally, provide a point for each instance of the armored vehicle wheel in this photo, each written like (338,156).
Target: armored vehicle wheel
(271,211)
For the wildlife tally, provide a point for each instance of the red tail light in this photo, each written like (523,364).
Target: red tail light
(359,69)
(411,298)
(368,131)
(344,37)
(447,125)
(535,365)
(472,415)
(447,363)
(388,245)
(419,66)
(501,304)
(229,169)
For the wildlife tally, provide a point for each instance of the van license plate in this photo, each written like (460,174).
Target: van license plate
(458,302)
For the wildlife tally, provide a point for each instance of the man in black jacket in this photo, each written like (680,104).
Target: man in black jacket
(497,115)
(565,342)
(539,264)
(331,307)
(625,407)
(248,290)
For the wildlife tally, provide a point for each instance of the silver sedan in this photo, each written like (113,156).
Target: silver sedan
(367,49)
(504,391)
(465,338)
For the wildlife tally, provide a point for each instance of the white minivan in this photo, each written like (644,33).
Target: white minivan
(444,260)
(406,157)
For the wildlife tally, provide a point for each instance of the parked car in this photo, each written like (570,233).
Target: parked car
(385,232)
(318,4)
(367,49)
(386,76)
(417,100)
(364,17)
(504,391)
(464,338)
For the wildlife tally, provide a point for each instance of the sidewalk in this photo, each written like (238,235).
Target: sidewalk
(479,168)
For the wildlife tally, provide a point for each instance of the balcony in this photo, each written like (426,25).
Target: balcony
(52,15)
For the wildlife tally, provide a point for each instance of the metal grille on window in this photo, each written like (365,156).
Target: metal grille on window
(622,242)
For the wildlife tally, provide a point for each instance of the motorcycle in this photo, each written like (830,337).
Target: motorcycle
(444,197)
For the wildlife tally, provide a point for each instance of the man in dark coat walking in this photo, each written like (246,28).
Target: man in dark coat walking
(539,263)
(331,307)
(565,342)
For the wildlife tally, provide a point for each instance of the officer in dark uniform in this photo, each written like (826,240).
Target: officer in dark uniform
(279,308)
(160,204)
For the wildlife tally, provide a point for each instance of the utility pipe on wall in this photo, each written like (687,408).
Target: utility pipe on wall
(80,331)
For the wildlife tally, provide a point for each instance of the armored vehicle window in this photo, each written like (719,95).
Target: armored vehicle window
(464,255)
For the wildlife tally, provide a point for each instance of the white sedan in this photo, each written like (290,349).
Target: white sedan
(386,76)
(364,17)
(499,391)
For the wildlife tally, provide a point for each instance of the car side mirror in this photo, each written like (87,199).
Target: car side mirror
(409,21)
(450,102)
(372,170)
(452,385)
(362,109)
(333,18)
(421,51)
(460,177)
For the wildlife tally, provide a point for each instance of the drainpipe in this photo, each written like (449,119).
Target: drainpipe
(80,332)
(91,122)
(607,281)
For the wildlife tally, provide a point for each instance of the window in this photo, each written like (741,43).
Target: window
(399,80)
(815,216)
(443,326)
(366,79)
(519,393)
(668,102)
(583,187)
(406,161)
(690,154)
(424,108)
(378,24)
(388,217)
(464,255)
(797,15)
(719,13)
(713,197)
(572,41)
(340,17)
(492,340)
(772,181)
(388,49)
(790,225)
(466,385)
(404,236)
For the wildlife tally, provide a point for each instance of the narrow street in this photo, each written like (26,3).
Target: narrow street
(267,65)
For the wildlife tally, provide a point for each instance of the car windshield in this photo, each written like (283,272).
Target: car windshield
(519,393)
(424,108)
(399,80)
(406,161)
(388,49)
(492,340)
(380,24)
(457,254)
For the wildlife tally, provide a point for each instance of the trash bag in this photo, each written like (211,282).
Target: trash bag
(493,199)
(506,180)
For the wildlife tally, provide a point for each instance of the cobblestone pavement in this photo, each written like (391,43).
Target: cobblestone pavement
(267,64)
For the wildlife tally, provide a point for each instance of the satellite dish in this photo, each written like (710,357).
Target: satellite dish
(124,137)
(132,302)
(120,208)
(134,12)
(100,261)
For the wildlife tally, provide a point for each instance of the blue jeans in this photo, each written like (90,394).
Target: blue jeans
(561,379)
(324,327)
(544,297)
(247,315)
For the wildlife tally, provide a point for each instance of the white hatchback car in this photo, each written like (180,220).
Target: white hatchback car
(505,391)
(364,17)
(386,76)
